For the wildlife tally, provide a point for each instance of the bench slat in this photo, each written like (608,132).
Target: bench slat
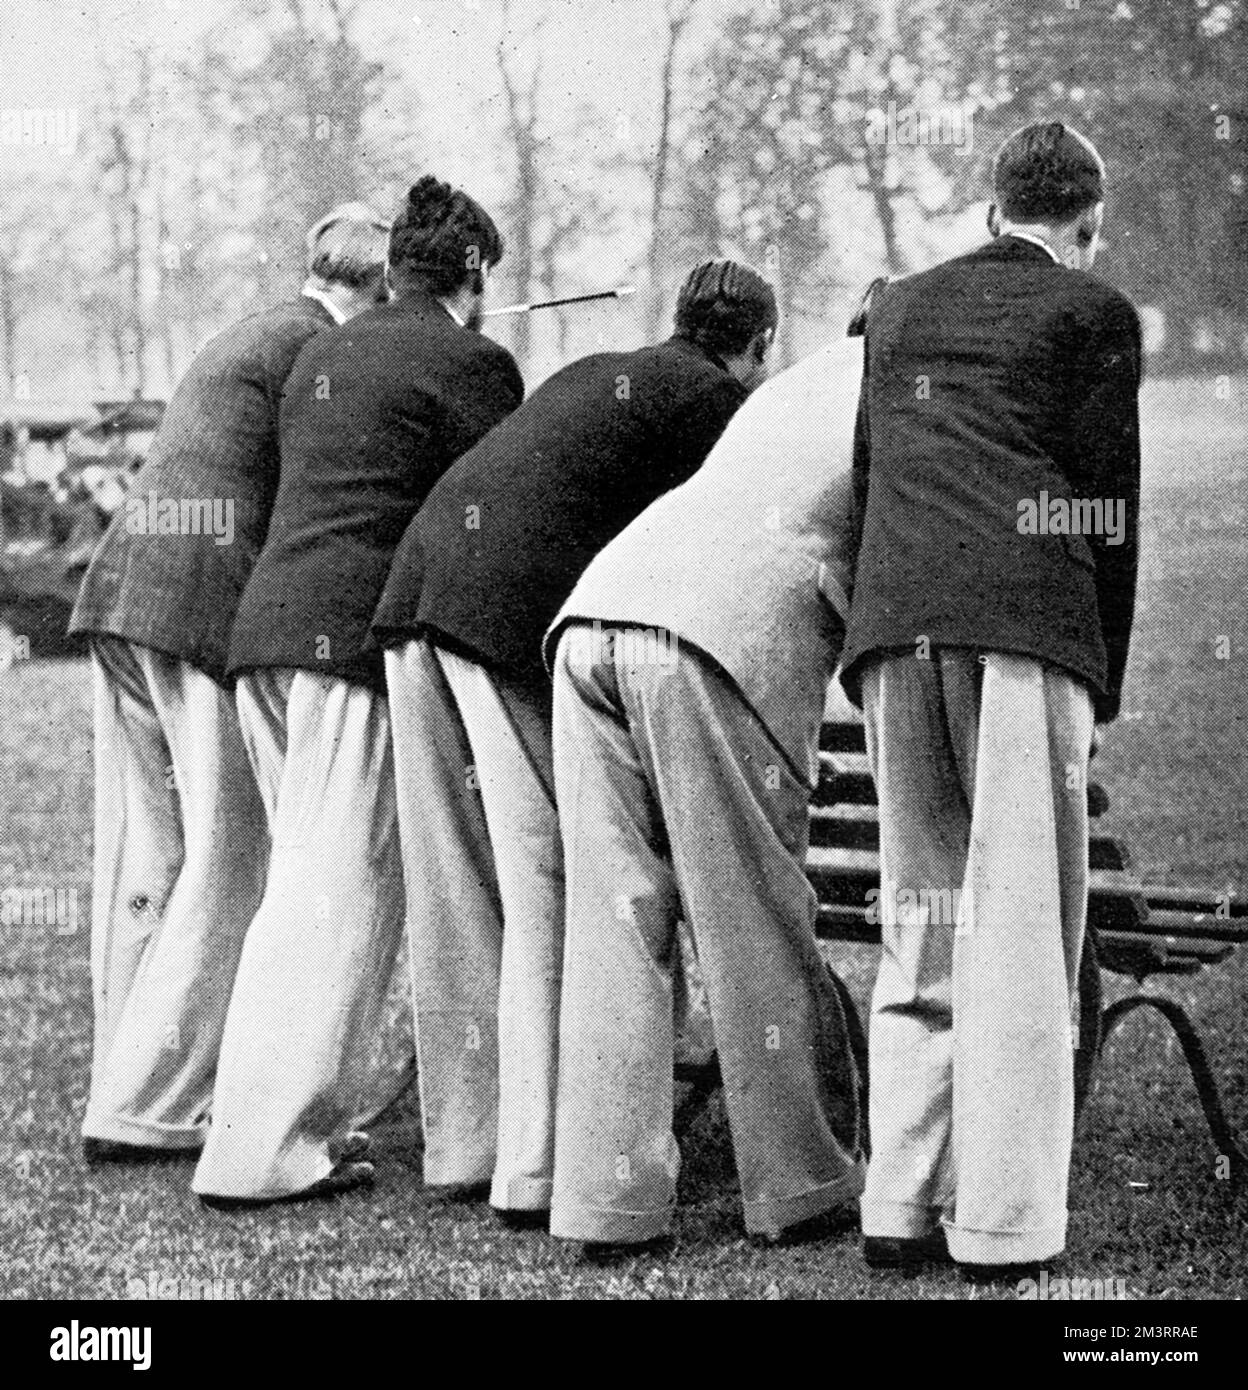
(849,924)
(1141,929)
(843,782)
(1197,901)
(843,878)
(1197,926)
(1175,948)
(832,829)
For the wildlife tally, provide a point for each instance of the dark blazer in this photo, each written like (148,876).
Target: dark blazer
(374,412)
(990,380)
(503,538)
(218,440)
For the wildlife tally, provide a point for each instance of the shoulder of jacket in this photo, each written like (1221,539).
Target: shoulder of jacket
(1100,308)
(280,319)
(1114,304)
(857,327)
(489,350)
(703,377)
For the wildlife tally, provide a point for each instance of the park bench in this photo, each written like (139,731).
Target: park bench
(1135,929)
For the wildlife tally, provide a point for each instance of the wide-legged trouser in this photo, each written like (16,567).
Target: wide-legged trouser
(980,764)
(320,953)
(483,867)
(181,851)
(674,798)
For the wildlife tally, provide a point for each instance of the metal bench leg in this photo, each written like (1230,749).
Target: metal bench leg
(1091,1033)
(1198,1064)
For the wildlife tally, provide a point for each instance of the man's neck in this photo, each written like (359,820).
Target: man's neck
(326,300)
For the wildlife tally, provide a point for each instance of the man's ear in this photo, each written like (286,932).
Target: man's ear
(763,340)
(994,220)
(1090,224)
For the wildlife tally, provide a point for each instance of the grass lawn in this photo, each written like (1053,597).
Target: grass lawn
(1148,1207)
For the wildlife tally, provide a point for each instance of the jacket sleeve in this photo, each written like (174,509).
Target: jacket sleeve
(490,388)
(1106,453)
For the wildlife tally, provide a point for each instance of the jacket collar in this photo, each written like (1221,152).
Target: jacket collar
(687,345)
(1035,241)
(1009,247)
(420,301)
(332,311)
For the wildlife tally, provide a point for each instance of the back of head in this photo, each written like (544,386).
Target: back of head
(1047,173)
(441,240)
(348,247)
(723,306)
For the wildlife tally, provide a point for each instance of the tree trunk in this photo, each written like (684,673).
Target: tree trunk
(8,326)
(677,22)
(875,161)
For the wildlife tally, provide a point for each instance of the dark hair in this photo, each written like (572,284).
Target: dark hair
(723,305)
(442,238)
(1047,172)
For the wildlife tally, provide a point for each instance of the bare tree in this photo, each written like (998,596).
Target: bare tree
(677,15)
(518,57)
(558,204)
(299,113)
(32,265)
(126,122)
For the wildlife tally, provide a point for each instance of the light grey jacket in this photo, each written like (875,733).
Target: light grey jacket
(748,559)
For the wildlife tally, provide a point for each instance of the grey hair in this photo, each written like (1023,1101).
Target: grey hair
(348,246)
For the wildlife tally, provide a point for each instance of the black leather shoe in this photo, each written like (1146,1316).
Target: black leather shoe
(1000,1276)
(100,1151)
(606,1254)
(350,1147)
(457,1194)
(523,1220)
(906,1254)
(345,1177)
(834,1224)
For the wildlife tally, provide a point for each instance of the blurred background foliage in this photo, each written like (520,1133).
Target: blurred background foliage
(826,141)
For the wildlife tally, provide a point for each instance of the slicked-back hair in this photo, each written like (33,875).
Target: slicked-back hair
(442,238)
(348,247)
(723,305)
(1047,172)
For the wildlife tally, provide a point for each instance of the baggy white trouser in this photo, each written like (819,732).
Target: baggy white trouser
(483,867)
(181,851)
(980,764)
(674,797)
(321,952)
